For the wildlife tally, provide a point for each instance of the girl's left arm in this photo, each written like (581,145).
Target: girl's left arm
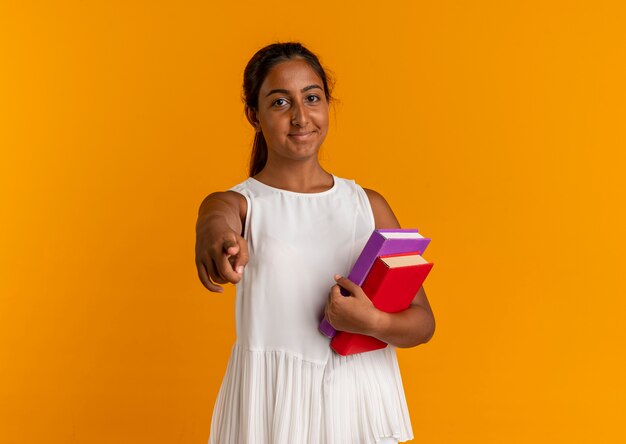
(357,314)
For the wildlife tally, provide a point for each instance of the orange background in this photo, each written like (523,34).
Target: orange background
(496,128)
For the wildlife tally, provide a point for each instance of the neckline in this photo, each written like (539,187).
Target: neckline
(295,193)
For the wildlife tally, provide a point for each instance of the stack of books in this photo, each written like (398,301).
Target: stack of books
(390,270)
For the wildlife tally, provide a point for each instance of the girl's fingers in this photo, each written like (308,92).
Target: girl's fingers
(214,274)
(231,247)
(223,264)
(335,291)
(225,269)
(346,283)
(241,260)
(206,280)
(349,286)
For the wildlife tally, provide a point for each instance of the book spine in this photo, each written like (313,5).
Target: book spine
(375,280)
(367,257)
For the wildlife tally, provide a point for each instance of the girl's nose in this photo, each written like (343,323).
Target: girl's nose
(299,117)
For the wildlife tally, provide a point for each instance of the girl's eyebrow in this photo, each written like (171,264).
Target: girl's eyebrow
(284,91)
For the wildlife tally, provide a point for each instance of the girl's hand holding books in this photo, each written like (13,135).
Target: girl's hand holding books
(355,313)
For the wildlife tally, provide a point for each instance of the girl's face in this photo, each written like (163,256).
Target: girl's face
(292,111)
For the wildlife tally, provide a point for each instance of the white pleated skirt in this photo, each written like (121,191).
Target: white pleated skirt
(277,397)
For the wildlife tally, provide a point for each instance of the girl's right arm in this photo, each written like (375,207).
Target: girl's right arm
(221,251)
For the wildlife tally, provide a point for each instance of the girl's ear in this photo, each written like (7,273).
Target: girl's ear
(252,118)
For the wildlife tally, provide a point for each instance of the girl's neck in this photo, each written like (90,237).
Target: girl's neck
(303,177)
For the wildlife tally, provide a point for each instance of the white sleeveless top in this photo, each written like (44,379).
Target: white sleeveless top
(283,383)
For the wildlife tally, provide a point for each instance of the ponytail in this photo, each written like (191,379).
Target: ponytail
(258,158)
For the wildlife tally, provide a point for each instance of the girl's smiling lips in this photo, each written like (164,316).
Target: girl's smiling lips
(302,135)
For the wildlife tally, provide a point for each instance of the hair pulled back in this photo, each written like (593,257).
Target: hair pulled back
(253,76)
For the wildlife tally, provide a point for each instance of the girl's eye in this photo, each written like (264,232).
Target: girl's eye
(313,98)
(279,102)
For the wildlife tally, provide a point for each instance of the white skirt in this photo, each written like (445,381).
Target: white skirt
(276,397)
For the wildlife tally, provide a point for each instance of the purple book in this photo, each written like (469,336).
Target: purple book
(400,240)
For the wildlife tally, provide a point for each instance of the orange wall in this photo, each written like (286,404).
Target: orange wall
(496,128)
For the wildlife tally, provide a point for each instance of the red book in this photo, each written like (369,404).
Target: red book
(391,284)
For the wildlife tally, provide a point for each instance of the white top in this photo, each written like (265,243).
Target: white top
(283,383)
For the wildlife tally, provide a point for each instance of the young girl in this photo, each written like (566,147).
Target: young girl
(282,236)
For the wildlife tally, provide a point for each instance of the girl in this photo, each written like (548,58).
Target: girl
(281,236)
